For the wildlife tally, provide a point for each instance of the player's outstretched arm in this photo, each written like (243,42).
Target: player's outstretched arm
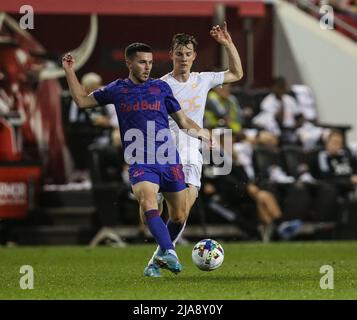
(79,95)
(222,36)
(194,130)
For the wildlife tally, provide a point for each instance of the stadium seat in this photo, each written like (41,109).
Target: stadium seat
(293,157)
(263,158)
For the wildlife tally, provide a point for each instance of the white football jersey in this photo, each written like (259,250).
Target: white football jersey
(192,96)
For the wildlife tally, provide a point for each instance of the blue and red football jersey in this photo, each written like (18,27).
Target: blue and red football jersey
(145,108)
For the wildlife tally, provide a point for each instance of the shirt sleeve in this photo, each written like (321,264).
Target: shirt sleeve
(112,115)
(105,95)
(268,104)
(172,105)
(214,79)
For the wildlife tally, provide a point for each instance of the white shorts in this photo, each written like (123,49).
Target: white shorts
(193,174)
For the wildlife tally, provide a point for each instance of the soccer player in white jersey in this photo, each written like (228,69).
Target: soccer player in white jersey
(191,89)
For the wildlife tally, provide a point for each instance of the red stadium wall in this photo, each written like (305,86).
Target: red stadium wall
(60,33)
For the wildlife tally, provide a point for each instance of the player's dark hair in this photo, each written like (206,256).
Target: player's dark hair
(135,47)
(183,39)
(335,132)
(279,82)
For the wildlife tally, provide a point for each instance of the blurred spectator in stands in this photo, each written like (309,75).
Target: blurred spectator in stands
(249,197)
(216,201)
(237,197)
(223,110)
(309,134)
(278,112)
(281,104)
(306,101)
(337,165)
(353,147)
(266,121)
(88,126)
(244,144)
(299,195)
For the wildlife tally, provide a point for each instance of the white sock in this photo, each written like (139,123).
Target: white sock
(173,252)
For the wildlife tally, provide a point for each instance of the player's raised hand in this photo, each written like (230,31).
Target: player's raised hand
(68,61)
(221,35)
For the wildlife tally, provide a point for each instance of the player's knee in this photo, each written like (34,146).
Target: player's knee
(147,203)
(179,218)
(188,208)
(191,195)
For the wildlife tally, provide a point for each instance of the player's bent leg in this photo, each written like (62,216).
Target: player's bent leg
(152,269)
(160,205)
(173,234)
(176,203)
(191,196)
(177,222)
(146,192)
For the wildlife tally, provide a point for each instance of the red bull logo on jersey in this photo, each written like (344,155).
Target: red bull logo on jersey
(140,105)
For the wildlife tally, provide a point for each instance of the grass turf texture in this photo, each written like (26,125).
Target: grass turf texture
(249,271)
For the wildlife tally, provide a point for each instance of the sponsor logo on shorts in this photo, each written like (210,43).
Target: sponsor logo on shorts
(177,172)
(138,173)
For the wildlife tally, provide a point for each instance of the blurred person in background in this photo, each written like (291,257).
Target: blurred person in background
(336,165)
(89,126)
(278,112)
(240,200)
(310,135)
(223,110)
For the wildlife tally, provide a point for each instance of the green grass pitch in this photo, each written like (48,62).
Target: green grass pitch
(249,271)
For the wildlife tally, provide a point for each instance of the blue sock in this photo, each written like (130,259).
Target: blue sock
(158,229)
(174,229)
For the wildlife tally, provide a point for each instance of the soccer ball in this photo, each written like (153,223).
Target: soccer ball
(207,255)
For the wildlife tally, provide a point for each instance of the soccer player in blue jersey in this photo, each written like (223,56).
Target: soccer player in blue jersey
(143,105)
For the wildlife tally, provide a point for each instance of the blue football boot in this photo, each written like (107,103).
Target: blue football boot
(153,270)
(289,229)
(168,261)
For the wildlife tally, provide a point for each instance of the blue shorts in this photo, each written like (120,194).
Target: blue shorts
(169,177)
